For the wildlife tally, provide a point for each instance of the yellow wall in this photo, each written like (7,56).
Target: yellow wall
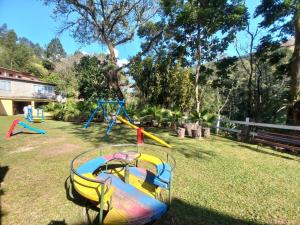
(6,107)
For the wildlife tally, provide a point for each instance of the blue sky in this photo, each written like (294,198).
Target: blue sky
(32,19)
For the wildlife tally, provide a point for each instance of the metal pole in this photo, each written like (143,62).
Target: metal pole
(91,117)
(127,173)
(101,204)
(170,190)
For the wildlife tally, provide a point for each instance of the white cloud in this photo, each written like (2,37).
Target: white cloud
(85,53)
(122,62)
(115,50)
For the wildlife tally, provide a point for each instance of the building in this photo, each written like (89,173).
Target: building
(18,89)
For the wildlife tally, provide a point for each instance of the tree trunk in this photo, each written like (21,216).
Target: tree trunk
(196,133)
(181,132)
(114,83)
(206,132)
(189,127)
(197,75)
(295,72)
(112,75)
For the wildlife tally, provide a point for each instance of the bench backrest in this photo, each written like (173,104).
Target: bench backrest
(280,138)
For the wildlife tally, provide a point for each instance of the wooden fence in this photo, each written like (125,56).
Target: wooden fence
(219,121)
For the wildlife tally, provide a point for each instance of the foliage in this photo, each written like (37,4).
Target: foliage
(71,110)
(161,82)
(111,23)
(195,32)
(55,50)
(92,82)
(282,17)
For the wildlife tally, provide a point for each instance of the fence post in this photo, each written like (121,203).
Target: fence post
(246,130)
(218,124)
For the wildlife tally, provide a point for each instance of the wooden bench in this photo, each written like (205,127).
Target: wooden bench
(278,140)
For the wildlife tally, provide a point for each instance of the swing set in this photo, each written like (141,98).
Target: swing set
(110,118)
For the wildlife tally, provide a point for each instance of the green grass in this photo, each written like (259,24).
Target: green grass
(217,181)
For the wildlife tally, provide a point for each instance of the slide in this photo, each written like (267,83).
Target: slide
(162,142)
(24,125)
(31,128)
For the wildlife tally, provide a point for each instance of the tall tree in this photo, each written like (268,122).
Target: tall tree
(199,30)
(111,23)
(92,83)
(55,50)
(283,18)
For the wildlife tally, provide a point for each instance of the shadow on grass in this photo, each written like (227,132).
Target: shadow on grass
(3,172)
(260,150)
(121,134)
(96,133)
(57,222)
(195,152)
(182,213)
(89,210)
(72,195)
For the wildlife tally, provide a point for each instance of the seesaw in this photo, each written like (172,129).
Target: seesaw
(148,134)
(124,192)
(24,125)
(111,120)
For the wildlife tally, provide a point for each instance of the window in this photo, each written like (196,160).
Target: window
(5,85)
(11,75)
(43,89)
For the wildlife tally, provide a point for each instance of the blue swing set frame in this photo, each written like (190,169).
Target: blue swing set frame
(110,121)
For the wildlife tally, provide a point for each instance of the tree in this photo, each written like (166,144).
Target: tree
(14,55)
(92,82)
(162,82)
(283,18)
(38,50)
(55,50)
(111,23)
(197,31)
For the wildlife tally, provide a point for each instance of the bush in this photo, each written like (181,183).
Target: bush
(71,110)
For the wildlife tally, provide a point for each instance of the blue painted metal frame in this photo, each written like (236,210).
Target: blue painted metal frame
(109,121)
(29,116)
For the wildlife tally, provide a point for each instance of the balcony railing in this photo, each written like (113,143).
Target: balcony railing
(51,96)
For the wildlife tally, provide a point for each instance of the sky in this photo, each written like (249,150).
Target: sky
(33,20)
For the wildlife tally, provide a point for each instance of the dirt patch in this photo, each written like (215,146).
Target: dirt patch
(60,149)
(23,149)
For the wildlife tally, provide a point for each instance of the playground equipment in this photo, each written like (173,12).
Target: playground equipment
(117,184)
(162,142)
(39,118)
(24,125)
(110,119)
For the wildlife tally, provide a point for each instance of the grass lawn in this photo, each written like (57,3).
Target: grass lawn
(216,181)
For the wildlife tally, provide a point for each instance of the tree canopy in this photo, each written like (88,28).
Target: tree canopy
(55,50)
(282,17)
(110,23)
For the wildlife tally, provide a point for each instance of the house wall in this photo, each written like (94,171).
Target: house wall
(22,89)
(6,107)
